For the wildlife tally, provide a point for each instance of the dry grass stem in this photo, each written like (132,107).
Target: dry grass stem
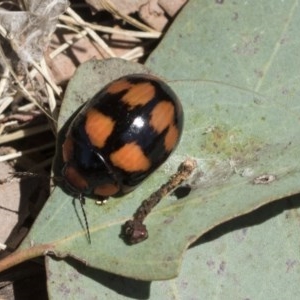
(4,81)
(110,30)
(91,33)
(23,133)
(68,43)
(4,103)
(134,53)
(21,153)
(22,88)
(44,73)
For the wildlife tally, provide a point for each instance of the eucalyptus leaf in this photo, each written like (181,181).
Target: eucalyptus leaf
(233,261)
(235,68)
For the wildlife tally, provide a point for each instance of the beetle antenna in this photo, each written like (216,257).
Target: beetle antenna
(82,201)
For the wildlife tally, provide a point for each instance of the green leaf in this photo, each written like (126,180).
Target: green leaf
(233,261)
(235,67)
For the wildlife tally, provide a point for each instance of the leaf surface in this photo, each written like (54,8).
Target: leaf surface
(235,67)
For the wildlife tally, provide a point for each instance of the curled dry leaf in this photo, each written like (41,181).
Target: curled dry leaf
(29,31)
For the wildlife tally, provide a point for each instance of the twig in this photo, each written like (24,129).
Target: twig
(134,231)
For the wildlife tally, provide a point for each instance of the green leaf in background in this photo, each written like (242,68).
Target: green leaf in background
(235,66)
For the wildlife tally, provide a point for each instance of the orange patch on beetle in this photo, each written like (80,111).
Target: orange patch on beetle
(139,94)
(75,179)
(171,138)
(130,158)
(67,149)
(162,116)
(118,86)
(98,127)
(106,190)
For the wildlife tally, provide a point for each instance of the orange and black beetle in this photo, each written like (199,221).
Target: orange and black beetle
(125,132)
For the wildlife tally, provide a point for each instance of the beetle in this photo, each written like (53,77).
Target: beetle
(121,136)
